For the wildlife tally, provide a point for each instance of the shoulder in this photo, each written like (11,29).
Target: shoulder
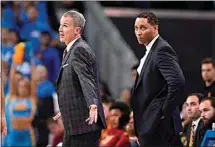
(163,45)
(83,48)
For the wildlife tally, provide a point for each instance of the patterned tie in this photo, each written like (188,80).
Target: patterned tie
(65,53)
(183,139)
(192,135)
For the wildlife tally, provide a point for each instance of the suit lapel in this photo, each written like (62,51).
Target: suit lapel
(66,58)
(143,68)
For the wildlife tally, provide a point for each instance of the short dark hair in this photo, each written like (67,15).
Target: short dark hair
(151,17)
(208,60)
(211,99)
(198,95)
(124,108)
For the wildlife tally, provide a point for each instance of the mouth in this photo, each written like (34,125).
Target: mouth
(61,35)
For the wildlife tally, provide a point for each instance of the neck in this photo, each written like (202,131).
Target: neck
(78,36)
(195,119)
(208,83)
(151,39)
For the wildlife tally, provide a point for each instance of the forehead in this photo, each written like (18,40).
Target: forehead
(66,19)
(192,98)
(115,111)
(205,104)
(207,65)
(141,21)
(32,9)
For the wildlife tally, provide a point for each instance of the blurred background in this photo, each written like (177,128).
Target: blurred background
(29,31)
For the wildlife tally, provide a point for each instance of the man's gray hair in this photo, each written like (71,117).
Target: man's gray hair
(78,18)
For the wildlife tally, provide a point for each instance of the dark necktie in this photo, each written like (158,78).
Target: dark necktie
(65,53)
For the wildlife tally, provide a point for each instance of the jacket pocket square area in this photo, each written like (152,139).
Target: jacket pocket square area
(65,65)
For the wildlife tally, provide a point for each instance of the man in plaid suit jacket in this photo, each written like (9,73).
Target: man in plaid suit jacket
(77,86)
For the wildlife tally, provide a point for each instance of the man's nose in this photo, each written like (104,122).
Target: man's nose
(60,29)
(188,108)
(139,33)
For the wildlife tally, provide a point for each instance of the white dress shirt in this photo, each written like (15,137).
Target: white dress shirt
(70,44)
(148,48)
(196,122)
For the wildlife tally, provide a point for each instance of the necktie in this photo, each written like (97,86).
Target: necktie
(65,53)
(183,139)
(192,135)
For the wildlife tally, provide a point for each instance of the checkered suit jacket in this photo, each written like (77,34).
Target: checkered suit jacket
(77,89)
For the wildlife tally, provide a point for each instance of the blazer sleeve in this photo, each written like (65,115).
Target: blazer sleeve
(82,62)
(167,64)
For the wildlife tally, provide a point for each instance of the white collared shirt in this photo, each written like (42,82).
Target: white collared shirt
(196,122)
(148,48)
(70,44)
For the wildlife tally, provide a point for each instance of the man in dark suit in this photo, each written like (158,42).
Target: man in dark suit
(156,93)
(193,113)
(77,86)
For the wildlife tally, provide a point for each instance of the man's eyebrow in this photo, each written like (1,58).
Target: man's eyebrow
(65,23)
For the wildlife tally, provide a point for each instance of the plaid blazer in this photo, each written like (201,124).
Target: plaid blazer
(77,89)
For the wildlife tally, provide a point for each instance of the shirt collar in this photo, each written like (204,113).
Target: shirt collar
(70,44)
(149,46)
(196,122)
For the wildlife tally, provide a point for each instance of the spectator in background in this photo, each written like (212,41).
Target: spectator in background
(192,107)
(13,40)
(22,109)
(32,30)
(119,117)
(207,109)
(57,130)
(8,101)
(134,72)
(45,106)
(106,103)
(104,90)
(9,39)
(11,15)
(208,75)
(125,96)
(3,119)
(49,56)
(184,116)
(5,78)
(131,132)
(40,5)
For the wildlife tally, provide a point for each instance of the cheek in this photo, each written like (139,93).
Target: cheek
(210,114)
(196,109)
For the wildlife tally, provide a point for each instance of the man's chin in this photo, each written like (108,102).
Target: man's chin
(61,40)
(140,42)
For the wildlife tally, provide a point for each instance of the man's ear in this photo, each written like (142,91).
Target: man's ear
(155,27)
(78,30)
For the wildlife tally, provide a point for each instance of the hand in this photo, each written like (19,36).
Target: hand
(3,126)
(93,115)
(56,117)
(138,142)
